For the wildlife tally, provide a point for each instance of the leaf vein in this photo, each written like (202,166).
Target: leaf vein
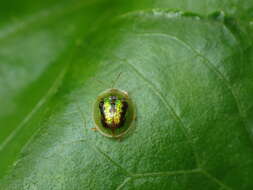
(105,155)
(168,107)
(220,75)
(215,180)
(40,103)
(168,173)
(123,183)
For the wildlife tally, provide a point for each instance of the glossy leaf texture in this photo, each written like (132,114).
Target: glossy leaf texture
(190,77)
(37,43)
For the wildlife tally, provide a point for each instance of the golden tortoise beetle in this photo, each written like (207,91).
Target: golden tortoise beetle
(113,113)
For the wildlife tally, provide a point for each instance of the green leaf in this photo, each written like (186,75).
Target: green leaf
(37,43)
(191,80)
(240,9)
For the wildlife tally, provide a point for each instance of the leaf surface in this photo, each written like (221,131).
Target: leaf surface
(189,76)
